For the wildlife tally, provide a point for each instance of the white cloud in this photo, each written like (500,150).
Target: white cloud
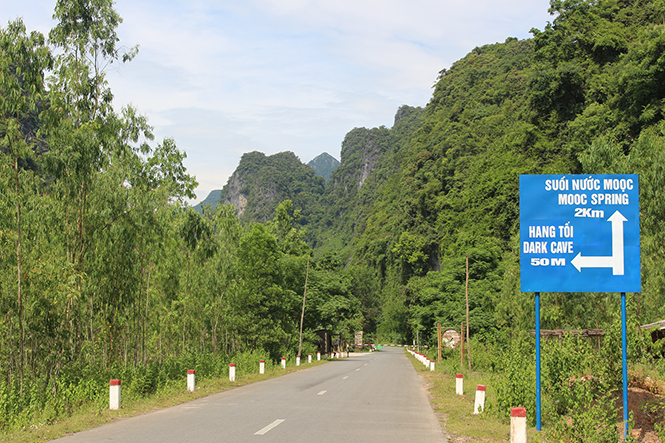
(227,77)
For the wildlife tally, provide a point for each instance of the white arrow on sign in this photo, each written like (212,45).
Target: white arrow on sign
(615,261)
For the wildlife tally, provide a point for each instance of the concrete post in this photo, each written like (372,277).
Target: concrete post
(262,367)
(479,405)
(459,384)
(232,372)
(283,362)
(191,380)
(309,358)
(518,425)
(431,365)
(114,394)
(318,356)
(297,360)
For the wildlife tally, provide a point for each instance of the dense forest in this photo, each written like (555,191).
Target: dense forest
(583,96)
(104,268)
(324,165)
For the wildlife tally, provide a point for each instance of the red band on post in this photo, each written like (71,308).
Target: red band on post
(232,364)
(262,361)
(115,382)
(460,376)
(191,371)
(480,388)
(518,412)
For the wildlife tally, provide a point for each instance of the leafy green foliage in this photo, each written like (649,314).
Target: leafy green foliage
(516,387)
(324,165)
(260,183)
(104,269)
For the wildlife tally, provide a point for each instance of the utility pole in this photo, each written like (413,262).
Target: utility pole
(438,334)
(468,343)
(462,347)
(302,316)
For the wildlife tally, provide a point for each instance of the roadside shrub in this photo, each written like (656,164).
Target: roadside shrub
(590,418)
(611,349)
(483,355)
(516,383)
(563,362)
(76,385)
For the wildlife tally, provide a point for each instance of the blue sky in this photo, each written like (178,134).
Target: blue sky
(227,77)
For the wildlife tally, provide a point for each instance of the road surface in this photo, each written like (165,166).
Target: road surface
(375,397)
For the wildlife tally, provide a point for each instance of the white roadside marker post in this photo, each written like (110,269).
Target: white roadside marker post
(318,356)
(309,358)
(479,405)
(262,367)
(297,360)
(283,362)
(114,394)
(459,384)
(431,365)
(518,425)
(191,380)
(232,372)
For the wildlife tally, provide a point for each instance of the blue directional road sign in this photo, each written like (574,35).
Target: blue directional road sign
(580,233)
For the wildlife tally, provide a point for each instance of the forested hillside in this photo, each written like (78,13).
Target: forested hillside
(105,270)
(212,199)
(324,165)
(568,101)
(260,183)
(368,159)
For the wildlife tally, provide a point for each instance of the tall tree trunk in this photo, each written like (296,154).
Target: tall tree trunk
(19,272)
(214,335)
(145,318)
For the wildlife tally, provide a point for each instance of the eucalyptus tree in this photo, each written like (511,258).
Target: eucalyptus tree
(23,60)
(109,183)
(85,136)
(218,277)
(82,102)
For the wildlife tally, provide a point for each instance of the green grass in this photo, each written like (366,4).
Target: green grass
(455,412)
(90,415)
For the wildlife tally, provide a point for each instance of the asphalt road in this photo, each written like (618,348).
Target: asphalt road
(375,397)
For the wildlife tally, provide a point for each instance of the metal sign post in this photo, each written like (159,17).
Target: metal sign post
(624,363)
(538,404)
(580,233)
